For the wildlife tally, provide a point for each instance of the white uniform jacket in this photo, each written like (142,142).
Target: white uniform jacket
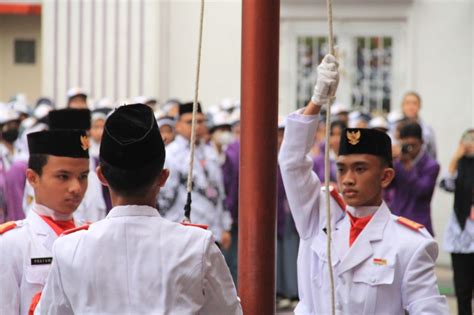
(136,262)
(25,260)
(456,240)
(388,269)
(208,187)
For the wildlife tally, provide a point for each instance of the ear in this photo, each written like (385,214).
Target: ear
(32,177)
(101,176)
(388,174)
(165,173)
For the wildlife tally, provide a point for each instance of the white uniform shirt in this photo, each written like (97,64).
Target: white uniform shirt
(208,192)
(22,272)
(456,240)
(388,269)
(136,262)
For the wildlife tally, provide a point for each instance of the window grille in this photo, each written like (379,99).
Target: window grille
(371,87)
(371,77)
(25,51)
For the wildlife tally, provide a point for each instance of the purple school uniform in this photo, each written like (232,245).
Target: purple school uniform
(413,190)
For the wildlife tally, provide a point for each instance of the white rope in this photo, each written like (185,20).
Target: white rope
(327,168)
(192,143)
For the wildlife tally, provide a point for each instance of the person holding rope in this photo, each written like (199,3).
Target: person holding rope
(135,261)
(383,264)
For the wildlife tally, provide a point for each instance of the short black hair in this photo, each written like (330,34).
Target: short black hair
(131,182)
(411,129)
(385,163)
(36,162)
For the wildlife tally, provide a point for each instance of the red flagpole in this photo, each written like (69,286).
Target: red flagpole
(258,159)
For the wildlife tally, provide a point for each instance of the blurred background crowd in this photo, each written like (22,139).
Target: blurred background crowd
(216,174)
(115,50)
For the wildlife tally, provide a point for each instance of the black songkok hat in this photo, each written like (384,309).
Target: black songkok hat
(188,108)
(366,141)
(70,118)
(132,139)
(66,143)
(411,129)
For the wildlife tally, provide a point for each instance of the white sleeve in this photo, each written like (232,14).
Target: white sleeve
(420,291)
(218,286)
(53,299)
(9,284)
(302,185)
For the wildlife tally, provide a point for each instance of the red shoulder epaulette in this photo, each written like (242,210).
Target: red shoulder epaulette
(82,227)
(202,226)
(337,197)
(7,226)
(409,223)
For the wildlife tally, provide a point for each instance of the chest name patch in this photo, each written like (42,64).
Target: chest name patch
(41,261)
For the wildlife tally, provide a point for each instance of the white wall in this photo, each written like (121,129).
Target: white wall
(220,67)
(108,47)
(141,47)
(442,72)
(19,78)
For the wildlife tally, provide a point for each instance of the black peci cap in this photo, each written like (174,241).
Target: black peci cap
(65,143)
(132,139)
(188,108)
(366,141)
(70,118)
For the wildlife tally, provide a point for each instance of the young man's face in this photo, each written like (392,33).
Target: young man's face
(78,101)
(411,106)
(184,125)
(411,147)
(97,129)
(167,133)
(62,184)
(361,178)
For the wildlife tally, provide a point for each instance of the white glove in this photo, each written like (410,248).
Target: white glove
(327,81)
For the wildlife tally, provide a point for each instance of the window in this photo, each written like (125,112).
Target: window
(25,51)
(371,74)
(311,51)
(371,88)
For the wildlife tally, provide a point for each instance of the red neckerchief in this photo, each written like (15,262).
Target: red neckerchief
(357,225)
(58,226)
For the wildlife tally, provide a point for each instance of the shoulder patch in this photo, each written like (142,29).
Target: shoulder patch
(79,228)
(409,223)
(5,227)
(202,226)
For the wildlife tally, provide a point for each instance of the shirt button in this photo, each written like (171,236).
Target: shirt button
(373,280)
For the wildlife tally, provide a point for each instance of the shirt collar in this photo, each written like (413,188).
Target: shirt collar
(43,210)
(133,210)
(360,212)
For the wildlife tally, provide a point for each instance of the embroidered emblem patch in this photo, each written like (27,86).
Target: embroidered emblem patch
(353,137)
(85,143)
(380,261)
